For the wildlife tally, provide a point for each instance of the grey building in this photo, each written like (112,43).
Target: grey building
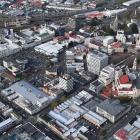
(96,86)
(66,82)
(112,109)
(26,96)
(96,61)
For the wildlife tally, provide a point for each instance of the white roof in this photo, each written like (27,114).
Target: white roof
(128,3)
(49,48)
(137,124)
(29,92)
(94,117)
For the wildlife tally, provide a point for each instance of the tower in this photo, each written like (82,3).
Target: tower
(135,64)
(116,23)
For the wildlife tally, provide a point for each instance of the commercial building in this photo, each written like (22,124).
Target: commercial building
(108,40)
(96,61)
(15,66)
(107,75)
(50,48)
(96,86)
(8,48)
(94,118)
(69,119)
(66,82)
(32,37)
(26,96)
(74,59)
(112,109)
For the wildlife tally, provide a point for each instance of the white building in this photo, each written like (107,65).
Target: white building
(50,48)
(66,82)
(120,36)
(108,40)
(124,86)
(96,61)
(107,75)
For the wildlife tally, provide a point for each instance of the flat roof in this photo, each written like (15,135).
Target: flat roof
(98,55)
(124,79)
(5,122)
(29,92)
(113,107)
(49,47)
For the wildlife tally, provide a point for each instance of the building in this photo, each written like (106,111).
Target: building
(112,109)
(66,82)
(8,48)
(94,118)
(96,61)
(108,40)
(124,86)
(130,131)
(93,43)
(26,96)
(116,47)
(32,37)
(4,125)
(107,75)
(65,118)
(52,88)
(96,86)
(26,131)
(131,2)
(15,66)
(50,48)
(121,36)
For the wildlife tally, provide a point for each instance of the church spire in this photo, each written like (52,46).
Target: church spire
(135,63)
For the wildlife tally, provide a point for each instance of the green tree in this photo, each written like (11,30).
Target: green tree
(95,22)
(133,28)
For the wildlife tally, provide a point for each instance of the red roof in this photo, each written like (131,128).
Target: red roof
(93,15)
(116,45)
(122,134)
(124,79)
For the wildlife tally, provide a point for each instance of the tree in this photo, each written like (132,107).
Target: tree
(133,28)
(108,30)
(95,22)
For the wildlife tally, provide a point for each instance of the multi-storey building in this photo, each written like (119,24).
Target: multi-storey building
(96,61)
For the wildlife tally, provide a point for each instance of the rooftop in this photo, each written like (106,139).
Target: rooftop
(113,107)
(116,45)
(124,79)
(122,134)
(29,92)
